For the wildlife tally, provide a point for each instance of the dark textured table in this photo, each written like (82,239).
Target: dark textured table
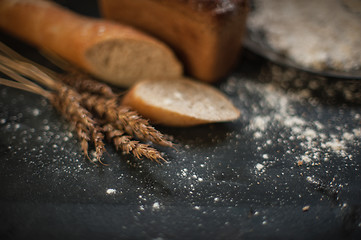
(289,168)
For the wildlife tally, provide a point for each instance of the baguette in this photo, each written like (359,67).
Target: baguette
(205,34)
(115,53)
(181,102)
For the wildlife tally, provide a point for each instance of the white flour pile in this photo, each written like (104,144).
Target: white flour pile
(315,34)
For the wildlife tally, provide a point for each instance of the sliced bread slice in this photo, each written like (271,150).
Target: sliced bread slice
(180,102)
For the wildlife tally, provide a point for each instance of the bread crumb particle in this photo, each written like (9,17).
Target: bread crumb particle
(306,208)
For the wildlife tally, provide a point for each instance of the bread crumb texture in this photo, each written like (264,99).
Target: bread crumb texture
(126,61)
(182,98)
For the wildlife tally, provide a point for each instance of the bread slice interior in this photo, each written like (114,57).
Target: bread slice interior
(180,102)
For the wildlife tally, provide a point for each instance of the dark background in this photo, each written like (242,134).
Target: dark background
(209,189)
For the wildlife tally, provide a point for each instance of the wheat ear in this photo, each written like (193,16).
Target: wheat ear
(124,118)
(124,143)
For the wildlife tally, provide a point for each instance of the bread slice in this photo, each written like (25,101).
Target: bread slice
(181,102)
(113,52)
(205,34)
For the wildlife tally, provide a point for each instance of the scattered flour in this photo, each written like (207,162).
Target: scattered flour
(259,166)
(280,117)
(156,206)
(36,112)
(313,141)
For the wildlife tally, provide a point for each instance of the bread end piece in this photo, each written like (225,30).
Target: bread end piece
(180,102)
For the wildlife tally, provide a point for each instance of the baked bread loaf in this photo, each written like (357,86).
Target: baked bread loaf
(205,34)
(112,52)
(181,102)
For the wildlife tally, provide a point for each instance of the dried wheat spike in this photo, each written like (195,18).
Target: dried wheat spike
(82,129)
(126,145)
(83,83)
(124,118)
(84,137)
(66,101)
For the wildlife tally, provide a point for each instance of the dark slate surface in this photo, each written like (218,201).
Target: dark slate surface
(224,181)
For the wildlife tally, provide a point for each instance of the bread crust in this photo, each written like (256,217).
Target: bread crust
(206,34)
(54,28)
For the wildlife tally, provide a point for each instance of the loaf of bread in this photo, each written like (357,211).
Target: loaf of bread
(181,102)
(112,52)
(206,34)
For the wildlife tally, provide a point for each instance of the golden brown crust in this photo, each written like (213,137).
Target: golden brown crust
(205,34)
(65,33)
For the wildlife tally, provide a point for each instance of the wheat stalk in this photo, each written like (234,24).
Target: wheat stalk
(5,50)
(30,71)
(24,87)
